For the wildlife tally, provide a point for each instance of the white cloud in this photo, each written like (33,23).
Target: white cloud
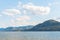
(11,12)
(3,25)
(28,8)
(31,8)
(25,9)
(12,22)
(22,20)
(23,23)
(38,10)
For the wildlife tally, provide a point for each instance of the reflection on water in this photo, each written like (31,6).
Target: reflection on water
(29,35)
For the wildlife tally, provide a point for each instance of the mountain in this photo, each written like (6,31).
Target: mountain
(19,28)
(49,25)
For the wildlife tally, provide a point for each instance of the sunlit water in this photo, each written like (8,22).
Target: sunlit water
(29,35)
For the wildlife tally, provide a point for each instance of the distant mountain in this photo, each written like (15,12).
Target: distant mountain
(19,28)
(49,25)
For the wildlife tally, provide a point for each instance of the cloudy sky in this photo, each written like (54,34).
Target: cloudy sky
(28,12)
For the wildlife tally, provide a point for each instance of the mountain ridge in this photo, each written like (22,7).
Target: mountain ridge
(49,25)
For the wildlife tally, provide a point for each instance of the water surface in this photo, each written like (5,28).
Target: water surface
(29,35)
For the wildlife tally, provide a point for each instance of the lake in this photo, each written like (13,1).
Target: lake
(30,35)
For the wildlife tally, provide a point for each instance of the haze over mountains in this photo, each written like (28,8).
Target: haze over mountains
(19,28)
(49,25)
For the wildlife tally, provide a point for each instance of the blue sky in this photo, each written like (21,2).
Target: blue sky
(28,12)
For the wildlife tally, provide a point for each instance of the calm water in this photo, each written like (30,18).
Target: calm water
(29,35)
